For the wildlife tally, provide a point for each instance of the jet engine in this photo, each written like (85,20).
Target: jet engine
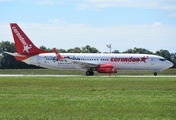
(106,68)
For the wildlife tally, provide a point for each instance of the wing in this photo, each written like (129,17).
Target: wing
(78,64)
(84,65)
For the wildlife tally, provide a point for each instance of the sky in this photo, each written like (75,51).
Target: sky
(65,24)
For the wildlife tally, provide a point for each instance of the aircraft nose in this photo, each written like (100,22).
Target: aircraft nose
(169,64)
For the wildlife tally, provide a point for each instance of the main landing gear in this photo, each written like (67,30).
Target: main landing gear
(89,73)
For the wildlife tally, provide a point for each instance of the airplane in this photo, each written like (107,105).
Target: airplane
(102,63)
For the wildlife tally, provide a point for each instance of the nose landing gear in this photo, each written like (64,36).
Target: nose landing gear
(155,73)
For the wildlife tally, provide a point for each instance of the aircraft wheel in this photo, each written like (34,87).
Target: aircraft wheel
(92,73)
(88,73)
(155,73)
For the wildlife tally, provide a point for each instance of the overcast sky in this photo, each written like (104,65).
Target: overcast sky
(65,24)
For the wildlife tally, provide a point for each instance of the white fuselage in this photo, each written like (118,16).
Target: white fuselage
(119,61)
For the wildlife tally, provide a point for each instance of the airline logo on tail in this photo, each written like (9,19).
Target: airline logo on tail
(26,47)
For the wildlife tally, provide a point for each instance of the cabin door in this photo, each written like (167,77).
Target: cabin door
(152,61)
(38,60)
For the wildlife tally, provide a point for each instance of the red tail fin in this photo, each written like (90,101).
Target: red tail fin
(23,43)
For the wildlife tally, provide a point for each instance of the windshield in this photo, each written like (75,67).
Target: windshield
(162,59)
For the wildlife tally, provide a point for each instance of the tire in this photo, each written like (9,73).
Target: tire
(155,73)
(92,73)
(88,73)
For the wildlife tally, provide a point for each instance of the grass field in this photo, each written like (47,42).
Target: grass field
(87,98)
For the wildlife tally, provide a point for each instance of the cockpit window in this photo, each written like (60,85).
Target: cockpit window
(162,59)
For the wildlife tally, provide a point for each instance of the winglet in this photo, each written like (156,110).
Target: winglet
(57,54)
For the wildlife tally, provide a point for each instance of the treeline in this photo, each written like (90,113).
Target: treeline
(9,62)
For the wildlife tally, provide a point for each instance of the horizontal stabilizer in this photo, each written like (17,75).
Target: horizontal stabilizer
(16,54)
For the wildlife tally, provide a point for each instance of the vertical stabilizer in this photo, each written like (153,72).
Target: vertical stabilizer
(23,43)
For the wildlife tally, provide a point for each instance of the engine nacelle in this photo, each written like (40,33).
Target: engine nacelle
(106,68)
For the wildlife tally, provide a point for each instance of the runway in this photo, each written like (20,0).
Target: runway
(49,75)
(35,75)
